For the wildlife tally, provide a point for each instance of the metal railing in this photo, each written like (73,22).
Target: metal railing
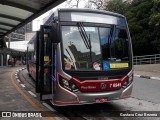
(146,59)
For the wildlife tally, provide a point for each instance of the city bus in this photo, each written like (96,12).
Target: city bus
(81,56)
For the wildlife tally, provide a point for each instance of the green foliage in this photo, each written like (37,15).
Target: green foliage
(144,23)
(155,17)
(117,6)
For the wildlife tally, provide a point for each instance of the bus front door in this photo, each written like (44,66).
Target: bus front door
(45,63)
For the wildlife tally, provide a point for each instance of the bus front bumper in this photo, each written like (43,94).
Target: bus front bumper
(90,98)
(106,96)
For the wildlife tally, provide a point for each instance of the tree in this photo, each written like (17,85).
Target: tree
(138,17)
(155,23)
(97,4)
(117,6)
(143,18)
(73,3)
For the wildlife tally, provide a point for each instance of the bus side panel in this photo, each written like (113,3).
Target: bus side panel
(31,59)
(32,70)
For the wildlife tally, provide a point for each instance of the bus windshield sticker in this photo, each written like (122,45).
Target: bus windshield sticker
(90,29)
(96,66)
(106,65)
(68,66)
(119,65)
(46,58)
(45,35)
(46,30)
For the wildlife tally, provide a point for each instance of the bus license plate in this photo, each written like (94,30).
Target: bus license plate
(101,100)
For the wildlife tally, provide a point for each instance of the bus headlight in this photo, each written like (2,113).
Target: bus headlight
(128,81)
(67,84)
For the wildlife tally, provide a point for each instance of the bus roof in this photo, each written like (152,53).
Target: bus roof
(55,13)
(89,11)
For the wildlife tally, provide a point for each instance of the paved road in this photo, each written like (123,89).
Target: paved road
(152,70)
(147,89)
(145,97)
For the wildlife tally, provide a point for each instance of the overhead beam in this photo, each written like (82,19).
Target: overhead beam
(17,5)
(47,7)
(4,29)
(3,43)
(2,32)
(11,17)
(7,24)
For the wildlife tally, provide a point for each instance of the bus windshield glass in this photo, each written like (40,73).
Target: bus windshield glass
(94,48)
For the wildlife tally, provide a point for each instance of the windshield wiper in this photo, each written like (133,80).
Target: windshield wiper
(86,38)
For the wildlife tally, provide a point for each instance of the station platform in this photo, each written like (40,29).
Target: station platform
(14,97)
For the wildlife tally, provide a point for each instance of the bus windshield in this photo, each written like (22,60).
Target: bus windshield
(94,48)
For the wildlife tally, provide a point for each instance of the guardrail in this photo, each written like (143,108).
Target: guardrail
(146,59)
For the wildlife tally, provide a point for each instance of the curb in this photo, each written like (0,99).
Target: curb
(147,77)
(23,85)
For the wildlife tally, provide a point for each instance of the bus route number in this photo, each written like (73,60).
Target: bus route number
(115,85)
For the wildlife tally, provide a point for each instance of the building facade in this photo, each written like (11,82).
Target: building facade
(19,35)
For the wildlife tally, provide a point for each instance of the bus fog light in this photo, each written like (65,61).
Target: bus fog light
(74,88)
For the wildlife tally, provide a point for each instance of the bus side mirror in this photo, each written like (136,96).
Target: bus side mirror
(54,33)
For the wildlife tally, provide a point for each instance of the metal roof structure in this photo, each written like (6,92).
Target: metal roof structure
(16,13)
(12,52)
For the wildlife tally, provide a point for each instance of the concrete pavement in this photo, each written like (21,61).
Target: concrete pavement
(151,71)
(14,98)
(10,99)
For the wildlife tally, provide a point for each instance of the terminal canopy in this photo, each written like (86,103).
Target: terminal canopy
(16,13)
(12,52)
